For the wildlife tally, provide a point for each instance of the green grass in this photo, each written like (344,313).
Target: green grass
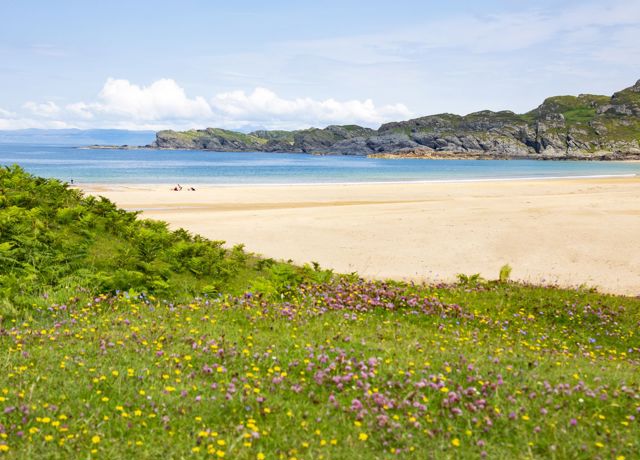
(194,136)
(623,130)
(579,115)
(275,135)
(339,370)
(235,136)
(627,96)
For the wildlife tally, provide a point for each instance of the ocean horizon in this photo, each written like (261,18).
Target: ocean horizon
(113,166)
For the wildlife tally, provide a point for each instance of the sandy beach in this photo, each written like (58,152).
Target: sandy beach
(570,232)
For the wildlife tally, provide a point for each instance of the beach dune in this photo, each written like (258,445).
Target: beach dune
(569,232)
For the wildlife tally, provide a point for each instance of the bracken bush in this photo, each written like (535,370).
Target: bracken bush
(54,241)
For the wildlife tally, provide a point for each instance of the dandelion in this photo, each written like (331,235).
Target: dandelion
(95,439)
(455,442)
(363,436)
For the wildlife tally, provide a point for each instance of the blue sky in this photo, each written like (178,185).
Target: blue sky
(286,64)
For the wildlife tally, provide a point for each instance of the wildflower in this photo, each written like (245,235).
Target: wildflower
(455,442)
(95,439)
(363,436)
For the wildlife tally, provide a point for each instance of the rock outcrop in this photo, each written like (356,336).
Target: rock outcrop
(562,127)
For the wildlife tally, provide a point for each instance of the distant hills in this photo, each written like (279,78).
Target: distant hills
(76,137)
(562,127)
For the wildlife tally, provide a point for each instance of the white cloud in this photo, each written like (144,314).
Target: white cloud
(6,114)
(263,105)
(162,100)
(165,104)
(46,109)
(81,110)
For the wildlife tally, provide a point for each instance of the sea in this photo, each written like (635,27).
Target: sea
(190,167)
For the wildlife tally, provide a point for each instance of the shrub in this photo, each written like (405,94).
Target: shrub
(505,273)
(52,236)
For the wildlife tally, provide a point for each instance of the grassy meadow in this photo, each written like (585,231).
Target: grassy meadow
(122,339)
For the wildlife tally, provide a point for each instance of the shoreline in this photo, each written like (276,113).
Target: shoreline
(329,184)
(569,232)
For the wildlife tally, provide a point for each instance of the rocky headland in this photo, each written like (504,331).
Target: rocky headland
(588,127)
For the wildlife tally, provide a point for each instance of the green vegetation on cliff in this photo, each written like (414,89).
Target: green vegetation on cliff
(211,139)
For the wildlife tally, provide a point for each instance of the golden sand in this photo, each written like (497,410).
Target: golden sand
(570,232)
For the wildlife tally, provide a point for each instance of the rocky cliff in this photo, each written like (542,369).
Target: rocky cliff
(581,127)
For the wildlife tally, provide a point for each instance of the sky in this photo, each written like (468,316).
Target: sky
(293,64)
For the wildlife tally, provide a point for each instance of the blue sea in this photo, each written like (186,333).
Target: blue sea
(200,167)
